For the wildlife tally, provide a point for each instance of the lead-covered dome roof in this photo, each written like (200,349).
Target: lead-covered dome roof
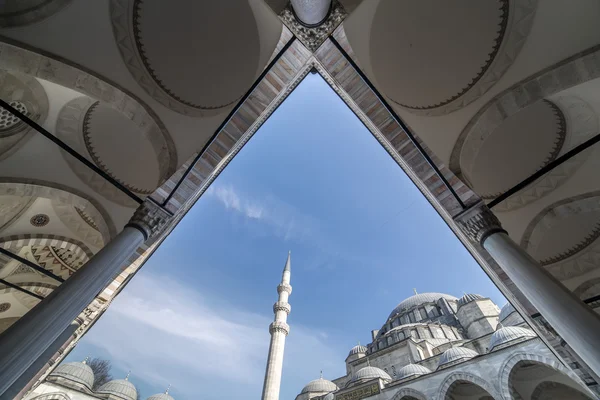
(78,372)
(506,311)
(469,297)
(370,373)
(160,396)
(412,370)
(508,335)
(319,386)
(357,350)
(121,388)
(456,354)
(419,299)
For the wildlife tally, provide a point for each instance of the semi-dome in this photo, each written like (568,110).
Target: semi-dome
(370,373)
(412,370)
(419,299)
(319,386)
(160,396)
(456,354)
(508,335)
(469,297)
(357,350)
(78,372)
(121,388)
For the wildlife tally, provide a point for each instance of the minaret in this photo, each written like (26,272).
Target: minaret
(279,329)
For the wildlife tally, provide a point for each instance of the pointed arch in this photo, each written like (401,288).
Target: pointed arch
(466,377)
(409,393)
(507,368)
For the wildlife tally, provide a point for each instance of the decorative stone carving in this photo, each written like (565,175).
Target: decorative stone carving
(312,38)
(478,223)
(150,219)
(282,306)
(39,220)
(284,287)
(279,326)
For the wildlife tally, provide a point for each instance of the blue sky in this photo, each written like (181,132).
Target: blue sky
(314,181)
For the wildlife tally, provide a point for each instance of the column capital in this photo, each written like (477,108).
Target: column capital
(478,223)
(150,219)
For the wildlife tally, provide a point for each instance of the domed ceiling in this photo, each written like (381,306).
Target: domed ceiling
(114,143)
(523,144)
(195,57)
(434,57)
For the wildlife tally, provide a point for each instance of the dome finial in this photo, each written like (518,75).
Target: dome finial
(415,290)
(86,360)
(321,375)
(168,388)
(128,373)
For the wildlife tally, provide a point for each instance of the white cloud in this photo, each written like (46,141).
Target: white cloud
(166,333)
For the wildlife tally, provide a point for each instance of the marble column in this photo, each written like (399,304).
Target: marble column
(575,322)
(27,339)
(311,13)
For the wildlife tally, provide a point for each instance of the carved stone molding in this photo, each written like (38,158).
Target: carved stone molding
(313,37)
(284,287)
(478,223)
(149,219)
(282,306)
(279,326)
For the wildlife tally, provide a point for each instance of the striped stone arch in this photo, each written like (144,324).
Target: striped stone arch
(16,242)
(409,393)
(508,392)
(585,286)
(52,396)
(62,194)
(465,377)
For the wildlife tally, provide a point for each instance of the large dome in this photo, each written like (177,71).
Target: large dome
(419,299)
(78,372)
(370,373)
(121,388)
(509,335)
(456,354)
(319,386)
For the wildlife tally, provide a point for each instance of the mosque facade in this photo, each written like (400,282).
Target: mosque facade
(75,381)
(436,346)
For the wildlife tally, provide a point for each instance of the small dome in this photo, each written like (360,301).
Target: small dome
(357,350)
(319,386)
(456,354)
(78,372)
(419,299)
(469,297)
(508,335)
(121,388)
(506,311)
(370,373)
(412,370)
(160,396)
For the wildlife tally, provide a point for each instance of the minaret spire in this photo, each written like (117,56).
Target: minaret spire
(279,329)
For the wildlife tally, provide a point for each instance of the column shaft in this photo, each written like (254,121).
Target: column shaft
(30,336)
(576,323)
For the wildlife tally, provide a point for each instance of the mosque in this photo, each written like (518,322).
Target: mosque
(75,381)
(437,346)
(117,115)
